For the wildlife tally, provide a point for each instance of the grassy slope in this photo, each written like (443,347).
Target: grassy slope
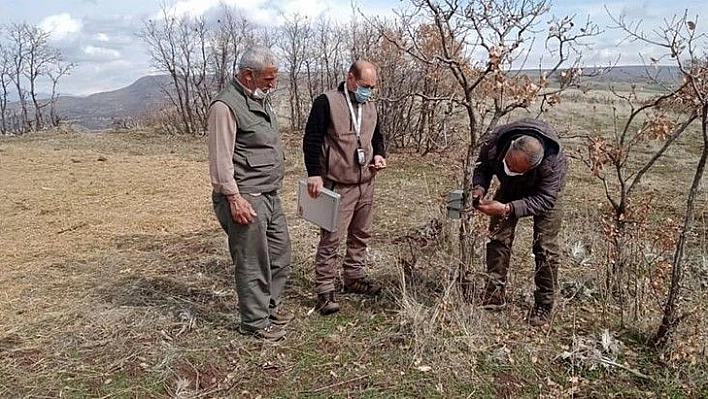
(116,282)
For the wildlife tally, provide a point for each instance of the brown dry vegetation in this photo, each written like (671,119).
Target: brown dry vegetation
(116,282)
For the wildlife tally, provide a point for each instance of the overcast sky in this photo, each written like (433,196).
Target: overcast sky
(99,35)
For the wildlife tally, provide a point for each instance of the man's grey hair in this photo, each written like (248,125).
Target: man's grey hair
(257,58)
(531,146)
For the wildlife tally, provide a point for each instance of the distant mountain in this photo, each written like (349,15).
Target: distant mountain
(144,96)
(101,110)
(635,74)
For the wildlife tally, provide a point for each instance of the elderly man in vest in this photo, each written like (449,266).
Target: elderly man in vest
(246,168)
(343,151)
(527,158)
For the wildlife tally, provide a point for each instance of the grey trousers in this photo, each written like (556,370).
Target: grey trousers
(546,227)
(354,222)
(261,254)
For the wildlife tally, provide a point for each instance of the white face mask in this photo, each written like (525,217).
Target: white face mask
(260,94)
(508,171)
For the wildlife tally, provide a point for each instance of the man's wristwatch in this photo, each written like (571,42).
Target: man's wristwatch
(507,210)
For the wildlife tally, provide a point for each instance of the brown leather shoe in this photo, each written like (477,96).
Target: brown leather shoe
(326,304)
(540,314)
(267,333)
(364,286)
(280,317)
(493,298)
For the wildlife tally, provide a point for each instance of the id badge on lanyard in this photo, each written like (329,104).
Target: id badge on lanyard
(356,119)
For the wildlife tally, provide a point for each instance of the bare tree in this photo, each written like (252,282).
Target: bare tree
(481,42)
(363,38)
(664,117)
(233,34)
(177,46)
(326,62)
(415,99)
(268,36)
(5,82)
(40,57)
(612,159)
(297,35)
(28,57)
(681,43)
(18,50)
(196,84)
(60,69)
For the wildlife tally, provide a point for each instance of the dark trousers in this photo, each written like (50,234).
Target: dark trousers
(546,227)
(261,254)
(354,222)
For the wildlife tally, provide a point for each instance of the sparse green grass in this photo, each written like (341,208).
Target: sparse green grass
(117,283)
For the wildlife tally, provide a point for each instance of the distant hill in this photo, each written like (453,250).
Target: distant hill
(667,75)
(101,110)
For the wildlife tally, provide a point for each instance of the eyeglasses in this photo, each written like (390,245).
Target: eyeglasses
(366,86)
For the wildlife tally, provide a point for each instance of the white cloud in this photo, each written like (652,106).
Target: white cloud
(310,8)
(196,8)
(60,25)
(102,37)
(101,53)
(264,16)
(192,8)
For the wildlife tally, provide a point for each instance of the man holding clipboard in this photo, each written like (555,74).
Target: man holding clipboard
(344,150)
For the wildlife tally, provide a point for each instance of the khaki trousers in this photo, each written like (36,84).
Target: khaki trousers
(261,254)
(545,249)
(354,222)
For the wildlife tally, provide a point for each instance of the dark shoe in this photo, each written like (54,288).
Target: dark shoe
(364,286)
(494,298)
(280,317)
(326,303)
(269,333)
(540,314)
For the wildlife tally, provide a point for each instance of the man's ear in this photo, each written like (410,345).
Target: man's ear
(248,75)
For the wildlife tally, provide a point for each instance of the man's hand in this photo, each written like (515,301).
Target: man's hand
(314,186)
(379,163)
(494,208)
(241,210)
(477,196)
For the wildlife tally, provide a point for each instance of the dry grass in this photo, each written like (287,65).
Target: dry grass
(116,282)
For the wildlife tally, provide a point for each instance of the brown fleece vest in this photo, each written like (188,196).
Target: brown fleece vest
(339,157)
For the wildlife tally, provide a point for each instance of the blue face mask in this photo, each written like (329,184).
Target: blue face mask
(362,94)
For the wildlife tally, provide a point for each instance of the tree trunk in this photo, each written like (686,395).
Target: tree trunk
(466,234)
(671,318)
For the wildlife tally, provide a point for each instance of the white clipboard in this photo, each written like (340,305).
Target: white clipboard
(322,211)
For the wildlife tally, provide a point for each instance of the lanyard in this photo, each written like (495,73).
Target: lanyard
(356,121)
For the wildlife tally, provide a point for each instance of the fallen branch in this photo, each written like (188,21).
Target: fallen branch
(74,227)
(625,368)
(329,387)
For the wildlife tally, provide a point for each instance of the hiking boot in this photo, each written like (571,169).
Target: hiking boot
(271,332)
(326,303)
(493,298)
(364,285)
(280,317)
(540,314)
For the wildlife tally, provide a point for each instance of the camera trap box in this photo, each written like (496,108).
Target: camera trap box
(454,203)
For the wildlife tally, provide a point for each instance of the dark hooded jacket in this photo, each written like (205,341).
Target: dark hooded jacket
(537,190)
